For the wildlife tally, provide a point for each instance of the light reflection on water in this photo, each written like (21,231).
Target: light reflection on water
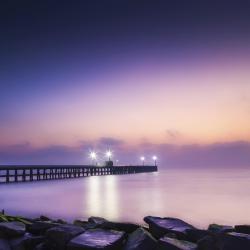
(198,196)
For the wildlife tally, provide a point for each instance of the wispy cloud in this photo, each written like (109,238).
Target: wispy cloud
(228,154)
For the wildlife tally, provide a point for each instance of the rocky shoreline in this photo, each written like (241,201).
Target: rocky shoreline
(17,233)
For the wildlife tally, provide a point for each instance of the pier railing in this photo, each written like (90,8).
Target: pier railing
(52,172)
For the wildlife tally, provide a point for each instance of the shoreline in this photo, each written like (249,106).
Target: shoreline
(43,233)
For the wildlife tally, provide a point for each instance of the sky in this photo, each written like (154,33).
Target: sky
(160,77)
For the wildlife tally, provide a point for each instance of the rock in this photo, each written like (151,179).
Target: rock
(4,244)
(140,240)
(245,229)
(166,243)
(208,243)
(195,235)
(61,221)
(118,226)
(215,228)
(85,224)
(97,239)
(44,218)
(234,241)
(161,226)
(40,227)
(58,237)
(42,246)
(97,220)
(27,241)
(12,229)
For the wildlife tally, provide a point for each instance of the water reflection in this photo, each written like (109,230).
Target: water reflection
(198,196)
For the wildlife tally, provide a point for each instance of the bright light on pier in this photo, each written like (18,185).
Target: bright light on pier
(93,155)
(154,158)
(142,159)
(109,154)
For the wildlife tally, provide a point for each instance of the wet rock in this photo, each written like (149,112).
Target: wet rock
(208,243)
(44,218)
(59,236)
(27,241)
(140,240)
(97,220)
(40,227)
(195,235)
(42,246)
(60,221)
(161,226)
(119,226)
(245,229)
(166,243)
(12,229)
(234,241)
(97,239)
(215,228)
(4,244)
(85,224)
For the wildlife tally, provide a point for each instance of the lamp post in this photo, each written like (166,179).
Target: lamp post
(155,159)
(109,154)
(93,157)
(142,160)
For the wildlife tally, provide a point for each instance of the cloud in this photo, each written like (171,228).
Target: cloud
(173,133)
(110,142)
(227,154)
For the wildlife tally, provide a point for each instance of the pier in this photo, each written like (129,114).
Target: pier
(10,174)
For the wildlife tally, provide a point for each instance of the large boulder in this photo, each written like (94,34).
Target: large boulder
(166,243)
(40,227)
(97,239)
(161,226)
(215,228)
(58,237)
(234,241)
(119,226)
(140,240)
(245,229)
(25,242)
(209,242)
(4,244)
(12,229)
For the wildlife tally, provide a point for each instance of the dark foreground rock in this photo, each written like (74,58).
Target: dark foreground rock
(4,244)
(166,243)
(25,242)
(40,227)
(140,240)
(119,226)
(245,229)
(12,229)
(58,237)
(234,241)
(183,231)
(215,228)
(97,239)
(17,233)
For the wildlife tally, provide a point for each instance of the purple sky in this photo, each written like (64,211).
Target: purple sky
(163,78)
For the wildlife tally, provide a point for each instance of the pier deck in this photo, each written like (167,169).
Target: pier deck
(25,173)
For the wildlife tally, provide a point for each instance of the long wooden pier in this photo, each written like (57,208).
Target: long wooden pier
(26,173)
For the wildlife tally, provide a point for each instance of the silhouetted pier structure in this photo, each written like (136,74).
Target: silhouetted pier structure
(11,173)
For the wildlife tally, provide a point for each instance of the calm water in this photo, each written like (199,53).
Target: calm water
(197,196)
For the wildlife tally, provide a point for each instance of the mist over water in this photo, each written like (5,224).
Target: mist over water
(198,196)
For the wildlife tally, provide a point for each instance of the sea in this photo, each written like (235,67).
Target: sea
(198,196)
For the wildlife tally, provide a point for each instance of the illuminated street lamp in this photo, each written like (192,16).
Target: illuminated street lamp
(93,156)
(142,159)
(154,158)
(109,154)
